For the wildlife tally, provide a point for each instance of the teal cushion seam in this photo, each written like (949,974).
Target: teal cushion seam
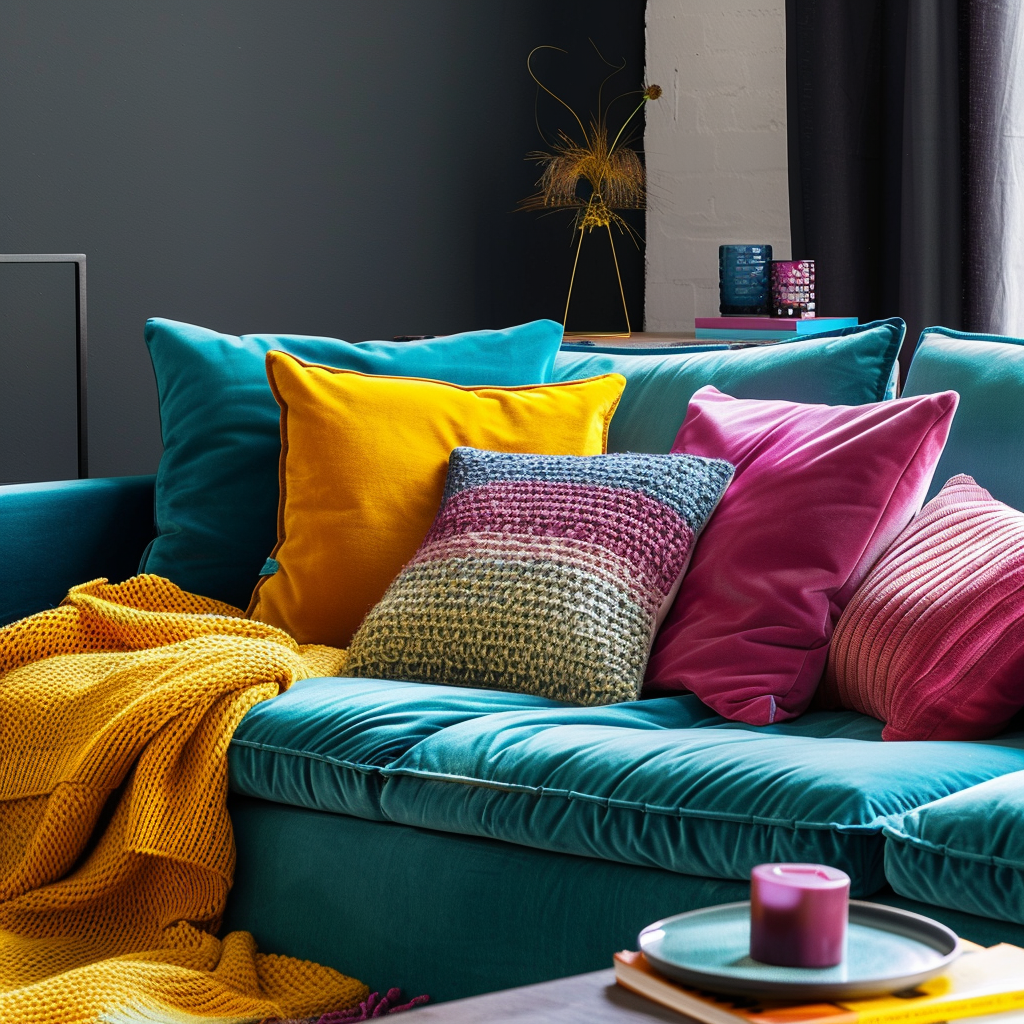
(945,851)
(612,803)
(887,389)
(870,828)
(892,388)
(305,755)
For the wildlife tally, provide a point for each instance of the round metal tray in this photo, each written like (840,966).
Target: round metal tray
(886,950)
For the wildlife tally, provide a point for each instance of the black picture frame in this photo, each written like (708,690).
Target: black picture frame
(81,344)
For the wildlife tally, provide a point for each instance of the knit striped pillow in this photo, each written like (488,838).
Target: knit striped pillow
(543,574)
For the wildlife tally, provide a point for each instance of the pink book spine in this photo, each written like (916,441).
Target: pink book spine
(745,323)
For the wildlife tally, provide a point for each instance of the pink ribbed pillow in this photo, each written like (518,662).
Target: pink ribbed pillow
(933,641)
(819,493)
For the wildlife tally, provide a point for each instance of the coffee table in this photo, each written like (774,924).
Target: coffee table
(583,999)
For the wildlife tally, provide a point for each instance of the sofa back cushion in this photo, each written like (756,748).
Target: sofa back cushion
(852,367)
(987,439)
(216,487)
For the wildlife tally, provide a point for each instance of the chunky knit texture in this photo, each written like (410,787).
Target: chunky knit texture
(543,574)
(116,850)
(375,1005)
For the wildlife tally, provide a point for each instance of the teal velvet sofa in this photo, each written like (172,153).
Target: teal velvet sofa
(454,841)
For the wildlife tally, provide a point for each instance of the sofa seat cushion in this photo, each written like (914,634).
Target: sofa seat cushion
(657,783)
(965,851)
(664,783)
(323,743)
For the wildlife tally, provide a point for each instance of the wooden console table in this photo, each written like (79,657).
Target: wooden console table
(638,339)
(661,339)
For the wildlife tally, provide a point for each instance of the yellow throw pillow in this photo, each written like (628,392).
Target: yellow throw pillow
(363,464)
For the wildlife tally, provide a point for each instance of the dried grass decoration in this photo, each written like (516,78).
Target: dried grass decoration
(613,174)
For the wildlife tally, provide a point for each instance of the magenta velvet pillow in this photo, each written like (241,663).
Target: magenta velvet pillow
(932,643)
(819,493)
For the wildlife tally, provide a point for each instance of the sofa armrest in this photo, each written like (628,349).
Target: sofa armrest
(55,535)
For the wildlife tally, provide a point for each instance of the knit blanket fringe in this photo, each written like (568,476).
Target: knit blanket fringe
(116,849)
(370,1008)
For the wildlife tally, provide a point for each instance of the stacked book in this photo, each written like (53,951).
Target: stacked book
(982,984)
(767,328)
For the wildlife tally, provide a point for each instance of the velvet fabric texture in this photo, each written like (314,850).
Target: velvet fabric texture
(964,851)
(54,535)
(216,486)
(363,465)
(932,643)
(987,372)
(819,493)
(320,885)
(330,886)
(851,367)
(661,783)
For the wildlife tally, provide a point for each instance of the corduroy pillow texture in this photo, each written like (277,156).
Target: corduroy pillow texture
(820,492)
(932,643)
(363,463)
(542,574)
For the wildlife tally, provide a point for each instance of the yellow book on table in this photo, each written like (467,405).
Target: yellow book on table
(990,981)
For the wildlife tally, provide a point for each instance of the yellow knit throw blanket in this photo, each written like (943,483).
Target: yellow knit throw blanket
(116,849)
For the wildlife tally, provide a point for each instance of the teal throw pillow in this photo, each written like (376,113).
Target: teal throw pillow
(217,484)
(851,367)
(987,438)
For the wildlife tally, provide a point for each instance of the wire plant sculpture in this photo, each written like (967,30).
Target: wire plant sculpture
(589,175)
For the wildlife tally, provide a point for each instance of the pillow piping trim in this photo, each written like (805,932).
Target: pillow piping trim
(949,332)
(946,852)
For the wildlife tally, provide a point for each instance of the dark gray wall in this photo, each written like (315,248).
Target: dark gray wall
(307,166)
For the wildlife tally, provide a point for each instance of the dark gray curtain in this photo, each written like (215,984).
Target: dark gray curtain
(991,111)
(896,111)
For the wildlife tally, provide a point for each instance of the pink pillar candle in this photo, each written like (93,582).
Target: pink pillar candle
(798,914)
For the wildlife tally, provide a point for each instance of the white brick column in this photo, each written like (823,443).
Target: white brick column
(715,145)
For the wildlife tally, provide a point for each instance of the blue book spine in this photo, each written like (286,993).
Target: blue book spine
(826,323)
(704,332)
